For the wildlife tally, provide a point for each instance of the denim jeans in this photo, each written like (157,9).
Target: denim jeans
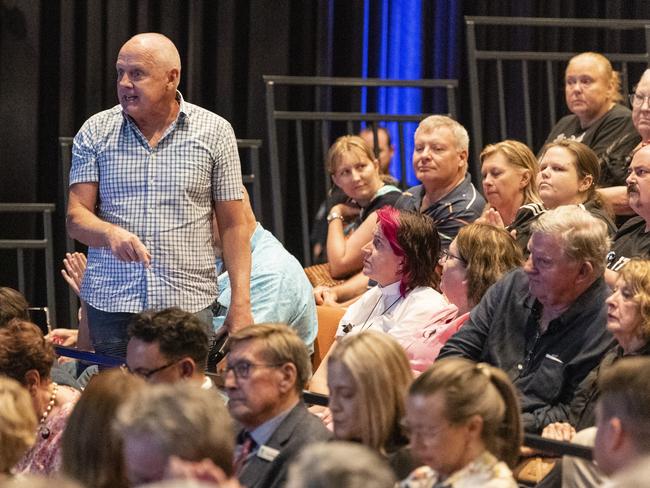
(108,330)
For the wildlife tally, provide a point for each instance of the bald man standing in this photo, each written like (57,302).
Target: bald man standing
(146,177)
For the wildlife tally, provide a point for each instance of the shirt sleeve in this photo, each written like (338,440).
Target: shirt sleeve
(226,175)
(84,157)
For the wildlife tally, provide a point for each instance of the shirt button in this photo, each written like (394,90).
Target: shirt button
(520,367)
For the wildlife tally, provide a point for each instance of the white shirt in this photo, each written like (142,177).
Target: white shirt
(383,309)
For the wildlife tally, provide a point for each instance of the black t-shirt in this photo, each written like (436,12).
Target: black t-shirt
(630,241)
(612,138)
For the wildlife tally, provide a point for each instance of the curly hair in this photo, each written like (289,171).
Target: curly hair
(414,237)
(636,274)
(177,333)
(23,348)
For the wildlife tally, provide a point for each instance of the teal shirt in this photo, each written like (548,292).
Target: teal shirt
(280,290)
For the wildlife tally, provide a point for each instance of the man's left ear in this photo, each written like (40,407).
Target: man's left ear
(462,155)
(289,377)
(187,367)
(586,270)
(172,78)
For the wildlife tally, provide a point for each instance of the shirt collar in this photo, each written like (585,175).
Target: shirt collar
(390,290)
(262,433)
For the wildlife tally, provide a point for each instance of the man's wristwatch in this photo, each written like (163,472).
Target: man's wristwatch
(334,215)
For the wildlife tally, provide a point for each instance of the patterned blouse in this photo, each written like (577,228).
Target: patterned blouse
(44,457)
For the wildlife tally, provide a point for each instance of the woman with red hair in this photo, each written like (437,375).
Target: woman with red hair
(402,259)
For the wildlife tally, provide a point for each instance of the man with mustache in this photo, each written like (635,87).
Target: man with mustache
(633,238)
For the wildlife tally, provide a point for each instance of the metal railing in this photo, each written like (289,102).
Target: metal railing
(531,61)
(323,119)
(45,244)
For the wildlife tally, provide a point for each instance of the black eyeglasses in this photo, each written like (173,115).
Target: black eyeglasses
(146,374)
(444,255)
(242,369)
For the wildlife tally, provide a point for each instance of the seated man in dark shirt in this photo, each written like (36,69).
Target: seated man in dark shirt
(446,194)
(544,325)
(633,239)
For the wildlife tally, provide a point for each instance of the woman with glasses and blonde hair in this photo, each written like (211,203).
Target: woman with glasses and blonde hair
(509,171)
(368,375)
(464,439)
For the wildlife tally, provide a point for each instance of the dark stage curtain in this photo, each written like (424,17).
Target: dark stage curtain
(57,69)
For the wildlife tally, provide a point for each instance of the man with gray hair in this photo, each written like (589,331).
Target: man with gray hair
(544,324)
(446,194)
(168,420)
(268,367)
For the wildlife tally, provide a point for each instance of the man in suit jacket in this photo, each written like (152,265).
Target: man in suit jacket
(268,366)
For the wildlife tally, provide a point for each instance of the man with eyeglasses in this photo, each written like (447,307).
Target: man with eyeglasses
(268,366)
(168,346)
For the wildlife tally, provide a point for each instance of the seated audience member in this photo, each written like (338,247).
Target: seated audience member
(355,170)
(91,450)
(268,367)
(633,239)
(544,325)
(13,305)
(440,163)
(463,438)
(17,424)
(593,91)
(623,416)
(614,168)
(568,174)
(477,258)
(509,171)
(339,464)
(168,346)
(159,422)
(383,152)
(628,320)
(367,376)
(27,357)
(280,291)
(401,258)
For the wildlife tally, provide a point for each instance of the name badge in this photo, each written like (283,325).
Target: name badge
(267,453)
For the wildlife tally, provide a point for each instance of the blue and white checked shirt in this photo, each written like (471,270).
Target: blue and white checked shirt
(164,196)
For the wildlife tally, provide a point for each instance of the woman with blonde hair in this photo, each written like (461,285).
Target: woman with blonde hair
(17,424)
(509,172)
(354,168)
(463,438)
(368,375)
(568,174)
(91,448)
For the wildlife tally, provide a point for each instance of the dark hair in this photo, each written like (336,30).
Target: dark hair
(22,348)
(13,305)
(414,237)
(91,448)
(460,381)
(177,333)
(625,393)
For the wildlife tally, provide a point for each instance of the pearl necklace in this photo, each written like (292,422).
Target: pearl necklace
(44,431)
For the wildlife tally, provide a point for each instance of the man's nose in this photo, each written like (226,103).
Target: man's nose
(528,264)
